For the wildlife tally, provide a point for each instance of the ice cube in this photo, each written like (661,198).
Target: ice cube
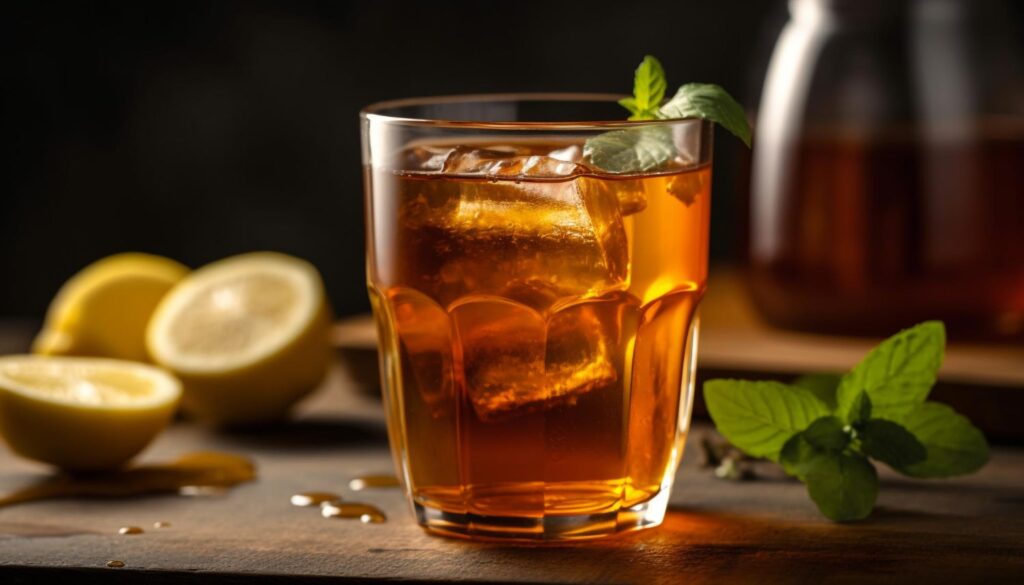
(516,362)
(572,153)
(426,158)
(502,355)
(630,193)
(687,186)
(506,163)
(547,239)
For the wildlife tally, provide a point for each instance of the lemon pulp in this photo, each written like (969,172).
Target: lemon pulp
(83,413)
(247,335)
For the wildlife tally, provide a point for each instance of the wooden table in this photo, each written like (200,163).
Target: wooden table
(766,531)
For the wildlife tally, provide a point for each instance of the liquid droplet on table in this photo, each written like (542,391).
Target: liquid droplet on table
(161,524)
(305,499)
(130,530)
(202,491)
(366,513)
(372,519)
(115,564)
(192,474)
(373,481)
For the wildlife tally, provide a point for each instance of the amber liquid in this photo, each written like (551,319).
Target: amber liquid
(878,233)
(535,333)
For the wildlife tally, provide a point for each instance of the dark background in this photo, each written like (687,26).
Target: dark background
(198,130)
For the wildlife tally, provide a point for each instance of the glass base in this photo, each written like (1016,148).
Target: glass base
(550,528)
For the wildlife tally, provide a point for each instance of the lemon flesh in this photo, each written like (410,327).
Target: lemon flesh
(247,336)
(103,310)
(83,414)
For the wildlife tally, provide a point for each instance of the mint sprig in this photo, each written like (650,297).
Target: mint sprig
(649,86)
(646,148)
(825,430)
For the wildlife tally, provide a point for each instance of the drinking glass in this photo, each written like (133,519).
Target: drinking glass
(536,314)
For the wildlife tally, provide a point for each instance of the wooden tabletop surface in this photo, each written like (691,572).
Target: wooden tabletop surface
(717,531)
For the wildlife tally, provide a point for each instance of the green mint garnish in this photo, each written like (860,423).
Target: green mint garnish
(759,417)
(827,433)
(825,430)
(710,102)
(643,149)
(898,374)
(649,86)
(954,446)
(843,485)
(822,385)
(890,443)
(632,150)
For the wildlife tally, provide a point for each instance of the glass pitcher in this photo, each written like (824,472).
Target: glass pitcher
(887,183)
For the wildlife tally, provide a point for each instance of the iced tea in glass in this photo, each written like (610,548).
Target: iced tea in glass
(536,313)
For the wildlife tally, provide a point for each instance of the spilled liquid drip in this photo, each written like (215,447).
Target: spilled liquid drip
(33,530)
(305,499)
(130,530)
(366,513)
(115,564)
(161,525)
(373,481)
(203,473)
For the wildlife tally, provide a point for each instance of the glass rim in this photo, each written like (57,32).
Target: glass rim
(373,112)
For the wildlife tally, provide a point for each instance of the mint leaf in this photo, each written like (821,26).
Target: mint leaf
(796,455)
(648,90)
(860,411)
(827,433)
(954,446)
(890,443)
(823,436)
(759,417)
(843,485)
(710,102)
(822,385)
(631,150)
(630,104)
(898,374)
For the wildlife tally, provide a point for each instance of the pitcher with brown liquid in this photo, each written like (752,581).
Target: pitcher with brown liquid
(888,174)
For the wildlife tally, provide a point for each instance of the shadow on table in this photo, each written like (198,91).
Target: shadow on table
(308,433)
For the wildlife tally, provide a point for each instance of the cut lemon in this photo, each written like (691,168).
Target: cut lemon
(247,336)
(83,413)
(103,310)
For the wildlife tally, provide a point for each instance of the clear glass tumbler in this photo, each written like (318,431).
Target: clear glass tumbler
(536,313)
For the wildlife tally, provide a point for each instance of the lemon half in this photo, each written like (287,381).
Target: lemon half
(247,336)
(83,413)
(103,310)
